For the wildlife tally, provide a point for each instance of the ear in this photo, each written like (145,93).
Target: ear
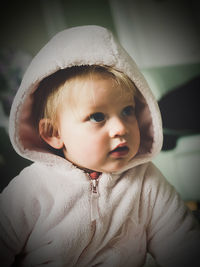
(51,138)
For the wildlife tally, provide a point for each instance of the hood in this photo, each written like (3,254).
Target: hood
(84,45)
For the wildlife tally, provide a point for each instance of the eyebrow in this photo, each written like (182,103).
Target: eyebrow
(102,106)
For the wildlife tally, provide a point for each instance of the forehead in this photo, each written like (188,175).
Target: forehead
(97,90)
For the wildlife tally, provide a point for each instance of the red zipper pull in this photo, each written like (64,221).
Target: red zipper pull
(94,176)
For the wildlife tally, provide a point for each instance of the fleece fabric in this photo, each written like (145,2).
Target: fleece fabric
(50,214)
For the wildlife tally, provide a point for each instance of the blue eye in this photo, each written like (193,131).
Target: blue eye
(128,111)
(97,117)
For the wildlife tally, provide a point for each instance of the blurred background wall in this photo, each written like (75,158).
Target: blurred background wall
(161,35)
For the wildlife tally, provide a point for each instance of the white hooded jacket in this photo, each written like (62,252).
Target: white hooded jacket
(49,214)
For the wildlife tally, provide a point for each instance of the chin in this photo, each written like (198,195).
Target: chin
(116,168)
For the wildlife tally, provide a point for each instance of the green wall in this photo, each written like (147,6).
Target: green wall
(78,12)
(165,79)
(23,27)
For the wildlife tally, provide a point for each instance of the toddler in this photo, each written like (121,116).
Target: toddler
(86,117)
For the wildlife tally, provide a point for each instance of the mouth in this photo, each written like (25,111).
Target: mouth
(120,151)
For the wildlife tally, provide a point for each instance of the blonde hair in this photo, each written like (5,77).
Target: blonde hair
(52,90)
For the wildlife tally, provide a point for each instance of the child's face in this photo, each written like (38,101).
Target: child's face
(100,132)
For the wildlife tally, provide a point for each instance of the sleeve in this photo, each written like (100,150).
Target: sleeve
(173,234)
(17,219)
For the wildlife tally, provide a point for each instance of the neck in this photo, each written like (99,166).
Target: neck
(89,171)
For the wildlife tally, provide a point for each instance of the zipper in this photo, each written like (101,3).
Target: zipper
(94,209)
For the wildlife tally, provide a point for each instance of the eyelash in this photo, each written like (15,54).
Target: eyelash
(130,110)
(100,117)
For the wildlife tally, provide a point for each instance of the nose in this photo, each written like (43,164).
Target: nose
(117,128)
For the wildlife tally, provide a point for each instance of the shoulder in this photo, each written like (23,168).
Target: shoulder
(33,188)
(154,187)
(42,182)
(37,174)
(28,177)
(150,182)
(28,184)
(149,174)
(153,178)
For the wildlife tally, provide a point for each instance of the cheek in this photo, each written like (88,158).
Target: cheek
(94,144)
(136,133)
(85,143)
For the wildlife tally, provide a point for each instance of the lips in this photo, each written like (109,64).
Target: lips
(120,151)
